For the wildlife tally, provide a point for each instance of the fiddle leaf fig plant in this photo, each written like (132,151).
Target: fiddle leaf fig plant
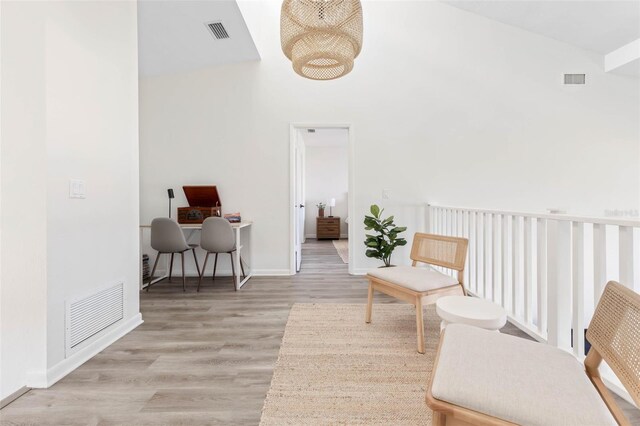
(380,245)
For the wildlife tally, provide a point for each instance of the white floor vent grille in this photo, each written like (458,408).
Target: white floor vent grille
(89,315)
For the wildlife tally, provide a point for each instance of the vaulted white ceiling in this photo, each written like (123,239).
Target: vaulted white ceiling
(173,37)
(599,26)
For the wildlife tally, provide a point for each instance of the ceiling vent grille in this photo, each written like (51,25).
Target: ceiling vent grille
(311,130)
(218,30)
(574,79)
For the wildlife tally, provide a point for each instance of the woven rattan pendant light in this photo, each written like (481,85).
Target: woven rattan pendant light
(321,37)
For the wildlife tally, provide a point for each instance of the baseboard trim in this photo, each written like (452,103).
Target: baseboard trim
(270,272)
(66,366)
(15,395)
(227,273)
(359,271)
(313,236)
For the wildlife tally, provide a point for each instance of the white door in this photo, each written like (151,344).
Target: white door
(299,202)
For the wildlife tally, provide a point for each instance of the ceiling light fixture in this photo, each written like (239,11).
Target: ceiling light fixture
(321,37)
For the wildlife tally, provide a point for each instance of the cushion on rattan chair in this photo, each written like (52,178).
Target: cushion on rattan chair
(414,278)
(515,379)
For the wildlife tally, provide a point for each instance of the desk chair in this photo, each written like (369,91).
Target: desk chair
(217,237)
(167,238)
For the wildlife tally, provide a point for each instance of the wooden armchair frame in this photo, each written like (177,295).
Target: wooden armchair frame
(614,333)
(437,250)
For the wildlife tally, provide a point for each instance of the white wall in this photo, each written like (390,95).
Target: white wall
(327,176)
(446,106)
(69,110)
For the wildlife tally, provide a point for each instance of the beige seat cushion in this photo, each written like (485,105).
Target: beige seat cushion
(514,379)
(414,278)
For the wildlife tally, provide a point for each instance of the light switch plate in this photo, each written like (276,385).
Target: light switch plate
(77,188)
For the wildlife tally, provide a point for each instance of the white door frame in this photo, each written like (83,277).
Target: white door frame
(293,135)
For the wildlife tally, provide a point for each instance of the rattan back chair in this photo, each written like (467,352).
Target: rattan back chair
(614,334)
(439,250)
(422,286)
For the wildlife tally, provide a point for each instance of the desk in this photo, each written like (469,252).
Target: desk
(240,229)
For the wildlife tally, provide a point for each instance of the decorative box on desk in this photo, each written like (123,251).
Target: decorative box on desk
(204,202)
(328,228)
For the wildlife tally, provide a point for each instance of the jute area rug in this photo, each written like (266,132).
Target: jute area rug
(333,369)
(342,247)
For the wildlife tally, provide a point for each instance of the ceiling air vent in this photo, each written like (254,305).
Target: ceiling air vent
(311,130)
(218,30)
(574,79)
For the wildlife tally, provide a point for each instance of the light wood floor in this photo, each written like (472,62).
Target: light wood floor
(199,358)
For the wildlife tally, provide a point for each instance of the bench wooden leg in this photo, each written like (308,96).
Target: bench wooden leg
(419,324)
(367,318)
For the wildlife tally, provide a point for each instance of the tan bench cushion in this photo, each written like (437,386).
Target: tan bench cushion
(514,379)
(414,278)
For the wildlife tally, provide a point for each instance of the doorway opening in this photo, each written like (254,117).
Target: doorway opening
(321,195)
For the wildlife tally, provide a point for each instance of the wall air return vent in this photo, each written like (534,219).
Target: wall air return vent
(87,316)
(217,30)
(574,79)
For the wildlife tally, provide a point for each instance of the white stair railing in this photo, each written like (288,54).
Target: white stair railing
(546,270)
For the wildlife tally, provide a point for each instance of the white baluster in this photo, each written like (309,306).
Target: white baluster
(506,273)
(447,222)
(541,258)
(473,280)
(528,287)
(626,257)
(599,260)
(465,234)
(559,283)
(515,270)
(578,289)
(488,250)
(495,243)
(479,253)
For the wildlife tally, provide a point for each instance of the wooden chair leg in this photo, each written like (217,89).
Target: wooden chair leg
(170,267)
(215,265)
(196,259)
(367,318)
(204,266)
(438,419)
(153,270)
(419,324)
(233,272)
(184,278)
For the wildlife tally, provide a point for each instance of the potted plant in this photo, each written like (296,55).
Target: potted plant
(321,207)
(381,245)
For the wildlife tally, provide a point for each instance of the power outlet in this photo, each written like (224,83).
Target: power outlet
(386,194)
(77,188)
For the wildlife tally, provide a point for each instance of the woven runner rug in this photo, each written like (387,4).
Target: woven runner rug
(342,247)
(333,369)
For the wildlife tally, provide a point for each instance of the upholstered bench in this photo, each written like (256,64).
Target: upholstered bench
(485,378)
(421,284)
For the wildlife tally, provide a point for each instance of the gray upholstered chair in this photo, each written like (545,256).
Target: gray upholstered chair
(217,237)
(167,238)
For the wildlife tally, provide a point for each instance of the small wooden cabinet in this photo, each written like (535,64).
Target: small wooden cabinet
(328,228)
